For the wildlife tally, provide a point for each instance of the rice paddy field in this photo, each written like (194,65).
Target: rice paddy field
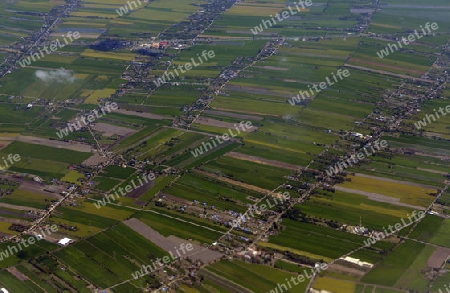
(17,25)
(300,22)
(159,129)
(233,270)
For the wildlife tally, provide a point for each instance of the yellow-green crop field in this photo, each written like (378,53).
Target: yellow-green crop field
(406,193)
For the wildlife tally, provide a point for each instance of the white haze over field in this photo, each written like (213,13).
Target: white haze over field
(58,75)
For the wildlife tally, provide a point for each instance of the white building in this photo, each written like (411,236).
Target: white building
(64,241)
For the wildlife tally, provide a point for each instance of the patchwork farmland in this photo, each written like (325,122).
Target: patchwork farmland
(170,192)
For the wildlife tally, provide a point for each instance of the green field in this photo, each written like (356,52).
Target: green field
(258,277)
(311,243)
(402,268)
(253,76)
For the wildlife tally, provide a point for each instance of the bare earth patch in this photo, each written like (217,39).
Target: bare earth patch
(272,68)
(16,273)
(110,130)
(223,124)
(255,90)
(136,193)
(247,112)
(263,161)
(170,243)
(142,114)
(35,187)
(233,115)
(341,268)
(94,160)
(438,257)
(73,146)
(245,32)
(19,208)
(53,191)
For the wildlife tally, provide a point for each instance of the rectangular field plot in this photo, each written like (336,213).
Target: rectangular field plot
(338,243)
(252,173)
(402,268)
(351,208)
(193,187)
(413,195)
(170,224)
(259,278)
(121,255)
(25,198)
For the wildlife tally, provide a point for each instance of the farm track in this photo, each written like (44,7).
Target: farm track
(394,125)
(73,146)
(226,283)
